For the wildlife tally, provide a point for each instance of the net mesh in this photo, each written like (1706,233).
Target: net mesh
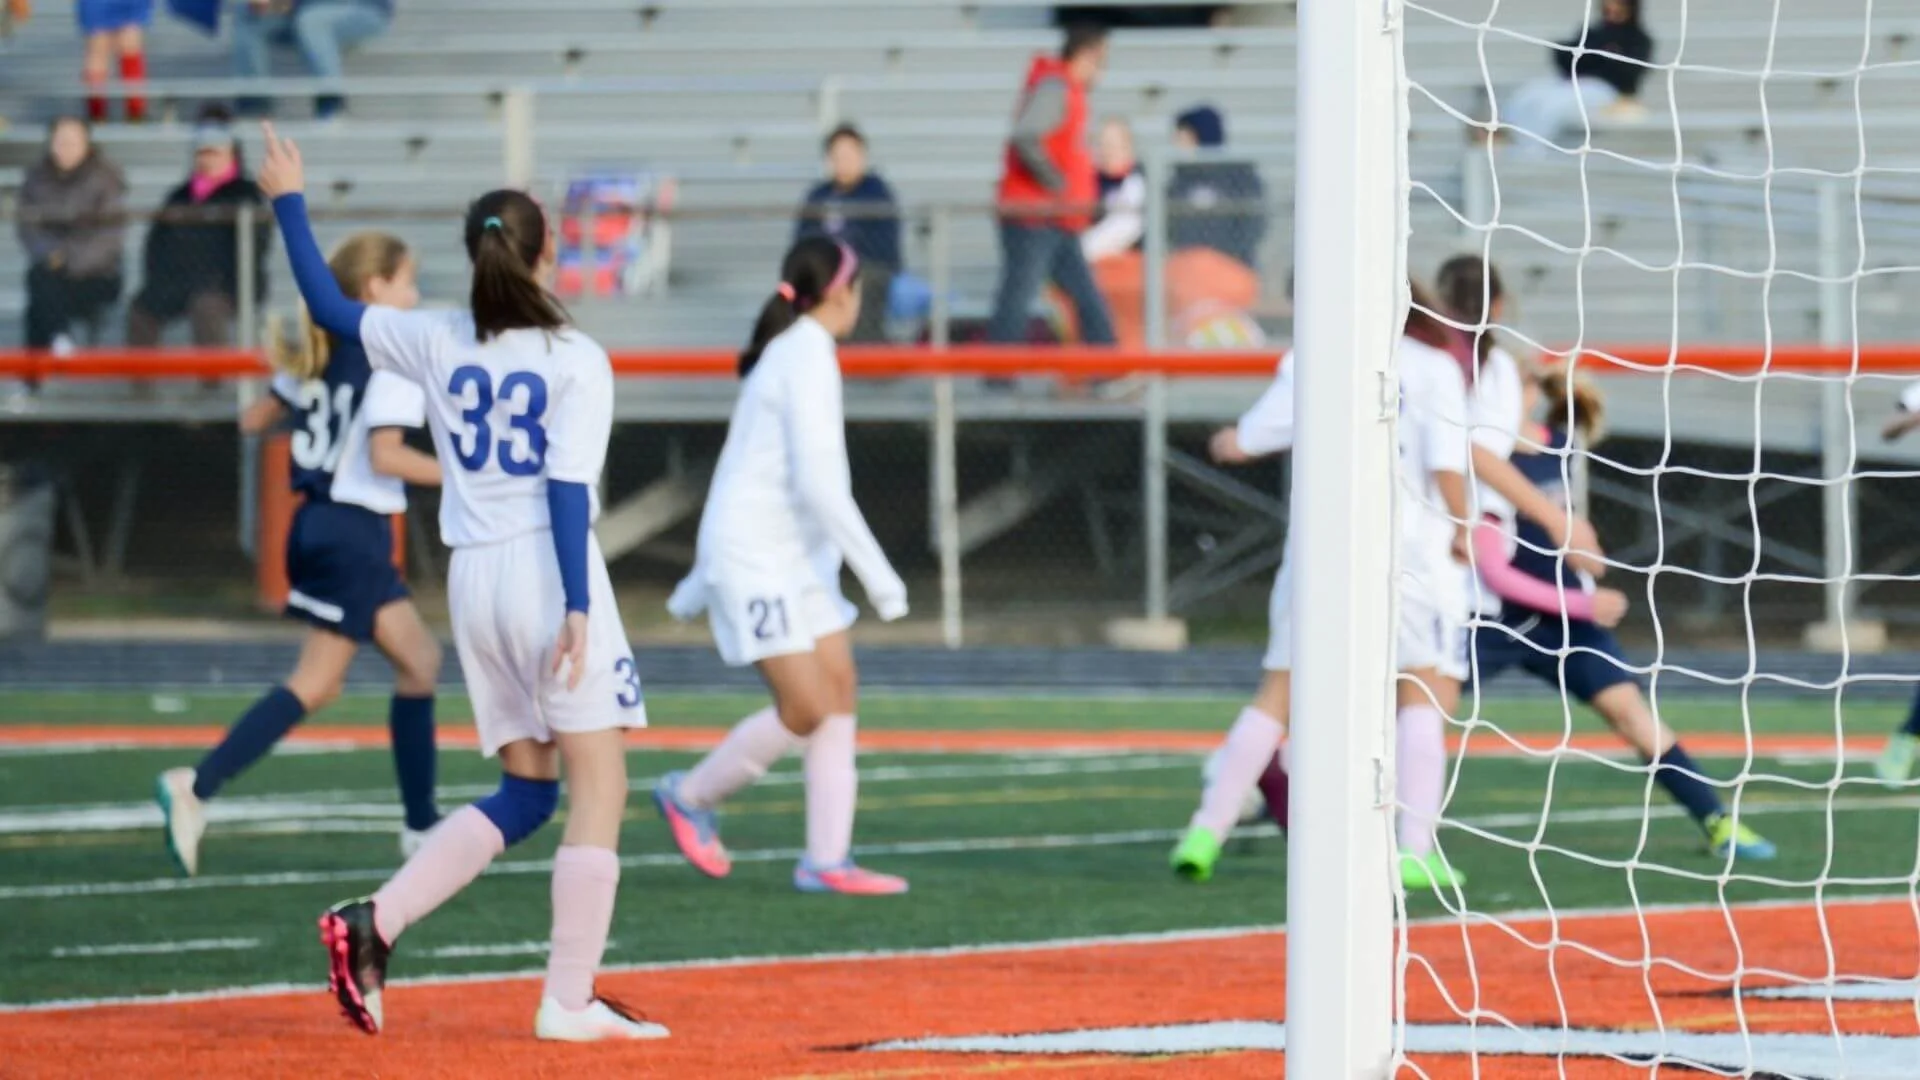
(1719,238)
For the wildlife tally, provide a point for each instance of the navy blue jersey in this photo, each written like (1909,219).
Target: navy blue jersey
(1534,555)
(331,416)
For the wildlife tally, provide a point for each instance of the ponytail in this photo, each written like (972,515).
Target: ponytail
(506,236)
(813,267)
(1422,324)
(1469,286)
(302,355)
(1573,403)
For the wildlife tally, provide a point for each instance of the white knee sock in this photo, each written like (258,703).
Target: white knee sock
(741,758)
(833,787)
(1422,771)
(1250,744)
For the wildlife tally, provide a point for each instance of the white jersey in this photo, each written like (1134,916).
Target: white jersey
(1495,403)
(507,415)
(333,460)
(1267,427)
(781,506)
(1433,438)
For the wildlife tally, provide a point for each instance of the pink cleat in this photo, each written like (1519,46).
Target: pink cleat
(847,880)
(695,832)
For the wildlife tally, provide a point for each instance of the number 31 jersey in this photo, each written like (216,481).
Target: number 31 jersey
(332,417)
(507,414)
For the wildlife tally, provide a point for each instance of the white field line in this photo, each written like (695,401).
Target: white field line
(506,948)
(323,808)
(156,948)
(1551,919)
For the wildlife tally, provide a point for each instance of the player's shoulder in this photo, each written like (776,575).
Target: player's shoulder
(804,346)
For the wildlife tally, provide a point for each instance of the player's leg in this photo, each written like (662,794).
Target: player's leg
(415,655)
(182,793)
(96,61)
(131,42)
(1425,697)
(586,876)
(1895,763)
(360,934)
(833,785)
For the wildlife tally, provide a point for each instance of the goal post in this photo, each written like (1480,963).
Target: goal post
(1350,292)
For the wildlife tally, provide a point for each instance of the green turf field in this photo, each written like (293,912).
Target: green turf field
(999,847)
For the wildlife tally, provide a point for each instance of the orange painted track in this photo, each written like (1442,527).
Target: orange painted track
(802,1018)
(1715,744)
(895,362)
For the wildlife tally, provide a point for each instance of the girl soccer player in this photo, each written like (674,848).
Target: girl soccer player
(1895,763)
(1431,649)
(352,468)
(521,406)
(1554,624)
(779,521)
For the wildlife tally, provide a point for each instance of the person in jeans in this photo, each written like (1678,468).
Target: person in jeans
(1603,78)
(192,253)
(71,225)
(1048,192)
(853,205)
(321,29)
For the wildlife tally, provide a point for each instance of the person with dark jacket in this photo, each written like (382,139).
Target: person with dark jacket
(72,226)
(192,253)
(857,208)
(1604,75)
(1048,192)
(1211,202)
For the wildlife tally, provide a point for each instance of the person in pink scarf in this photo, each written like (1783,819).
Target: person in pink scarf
(191,260)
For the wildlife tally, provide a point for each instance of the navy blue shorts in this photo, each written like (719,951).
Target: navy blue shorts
(1534,644)
(340,568)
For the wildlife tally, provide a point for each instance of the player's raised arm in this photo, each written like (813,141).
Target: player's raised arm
(283,178)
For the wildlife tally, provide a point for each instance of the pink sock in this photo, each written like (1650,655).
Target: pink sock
(584,881)
(833,787)
(454,853)
(1250,745)
(740,759)
(1422,771)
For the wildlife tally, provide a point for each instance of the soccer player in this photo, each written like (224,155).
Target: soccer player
(521,406)
(1432,471)
(1554,624)
(1895,763)
(352,467)
(779,521)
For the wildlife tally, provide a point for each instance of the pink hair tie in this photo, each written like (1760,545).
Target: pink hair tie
(785,292)
(849,263)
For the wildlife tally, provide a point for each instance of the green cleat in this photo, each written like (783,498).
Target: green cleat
(1724,837)
(1432,872)
(1193,857)
(1895,763)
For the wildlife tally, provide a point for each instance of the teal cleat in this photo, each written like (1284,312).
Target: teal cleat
(1194,856)
(1723,836)
(1895,763)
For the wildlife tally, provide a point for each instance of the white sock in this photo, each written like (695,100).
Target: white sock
(741,758)
(1250,744)
(833,787)
(1422,777)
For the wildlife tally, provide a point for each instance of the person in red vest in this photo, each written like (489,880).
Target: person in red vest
(1048,192)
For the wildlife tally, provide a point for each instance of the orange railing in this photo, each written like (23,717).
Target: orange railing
(894,362)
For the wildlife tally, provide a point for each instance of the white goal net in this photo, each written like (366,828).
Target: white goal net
(1688,841)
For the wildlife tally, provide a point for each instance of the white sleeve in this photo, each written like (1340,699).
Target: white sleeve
(394,402)
(287,389)
(817,446)
(402,341)
(1496,404)
(1123,223)
(580,417)
(1267,428)
(1444,442)
(1910,398)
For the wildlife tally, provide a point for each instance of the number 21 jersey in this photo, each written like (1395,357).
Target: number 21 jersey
(507,414)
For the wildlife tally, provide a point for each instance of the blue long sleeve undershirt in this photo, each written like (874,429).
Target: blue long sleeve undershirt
(567,509)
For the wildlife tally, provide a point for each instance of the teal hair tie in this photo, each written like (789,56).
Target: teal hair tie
(493,223)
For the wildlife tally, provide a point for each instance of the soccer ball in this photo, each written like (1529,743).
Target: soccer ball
(1253,807)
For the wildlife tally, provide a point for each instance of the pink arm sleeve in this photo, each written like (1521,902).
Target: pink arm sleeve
(1518,587)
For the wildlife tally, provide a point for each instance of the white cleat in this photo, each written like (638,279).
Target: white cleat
(183,817)
(411,840)
(600,1021)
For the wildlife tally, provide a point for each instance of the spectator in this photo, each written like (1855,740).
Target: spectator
(1603,77)
(1217,217)
(71,224)
(192,253)
(853,205)
(1047,191)
(1112,245)
(110,27)
(320,29)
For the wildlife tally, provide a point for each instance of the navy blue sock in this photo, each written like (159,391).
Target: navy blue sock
(1676,771)
(1912,726)
(410,725)
(248,740)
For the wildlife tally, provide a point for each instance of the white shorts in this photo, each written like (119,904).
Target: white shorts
(1430,635)
(507,607)
(753,621)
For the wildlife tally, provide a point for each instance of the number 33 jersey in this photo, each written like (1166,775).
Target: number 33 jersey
(507,415)
(332,417)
